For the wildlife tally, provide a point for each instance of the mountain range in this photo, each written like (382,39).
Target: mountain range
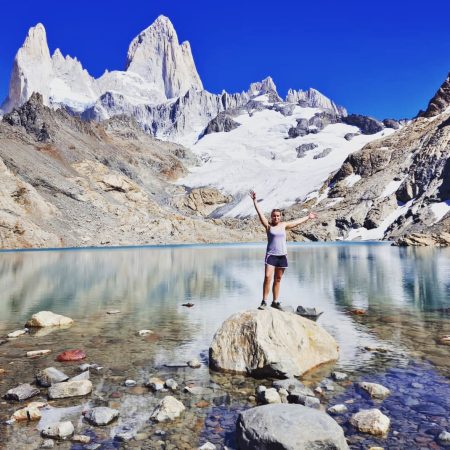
(162,140)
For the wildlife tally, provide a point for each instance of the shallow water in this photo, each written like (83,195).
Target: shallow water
(405,292)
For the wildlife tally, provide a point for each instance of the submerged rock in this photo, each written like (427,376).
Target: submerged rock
(101,416)
(71,355)
(49,376)
(48,319)
(194,363)
(30,412)
(17,333)
(288,427)
(371,421)
(270,343)
(70,389)
(22,392)
(337,409)
(60,430)
(169,408)
(375,390)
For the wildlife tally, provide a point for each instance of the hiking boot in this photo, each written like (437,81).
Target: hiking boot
(277,305)
(263,305)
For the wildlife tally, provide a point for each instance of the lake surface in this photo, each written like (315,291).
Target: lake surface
(405,291)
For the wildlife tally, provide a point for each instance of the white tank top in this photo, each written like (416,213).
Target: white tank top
(276,244)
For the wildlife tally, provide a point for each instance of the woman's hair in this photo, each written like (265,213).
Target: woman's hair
(276,210)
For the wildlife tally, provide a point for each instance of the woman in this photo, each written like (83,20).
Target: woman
(276,254)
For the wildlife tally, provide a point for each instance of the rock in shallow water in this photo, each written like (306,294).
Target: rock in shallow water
(60,430)
(71,355)
(49,376)
(371,421)
(270,343)
(70,389)
(288,427)
(375,390)
(169,408)
(101,416)
(22,392)
(337,409)
(48,319)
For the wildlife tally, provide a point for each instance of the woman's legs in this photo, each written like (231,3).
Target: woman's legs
(269,271)
(276,283)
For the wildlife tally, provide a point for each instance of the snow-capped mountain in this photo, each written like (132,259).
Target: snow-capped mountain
(283,148)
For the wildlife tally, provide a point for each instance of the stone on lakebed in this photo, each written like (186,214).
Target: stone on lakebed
(288,427)
(371,421)
(69,389)
(169,408)
(48,319)
(71,355)
(270,343)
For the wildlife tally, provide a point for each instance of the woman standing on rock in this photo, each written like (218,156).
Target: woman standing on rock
(276,254)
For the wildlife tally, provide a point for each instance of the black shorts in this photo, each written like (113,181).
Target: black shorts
(277,261)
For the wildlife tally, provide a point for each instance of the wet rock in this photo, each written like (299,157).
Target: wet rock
(87,366)
(289,427)
(60,430)
(113,311)
(17,333)
(101,415)
(81,438)
(339,376)
(71,355)
(34,353)
(82,376)
(22,392)
(196,390)
(194,363)
(70,389)
(169,408)
(155,384)
(371,421)
(145,332)
(444,437)
(30,412)
(171,384)
(328,385)
(375,390)
(444,340)
(269,396)
(292,384)
(125,436)
(130,383)
(270,343)
(49,376)
(48,319)
(48,443)
(337,409)
(207,446)
(431,409)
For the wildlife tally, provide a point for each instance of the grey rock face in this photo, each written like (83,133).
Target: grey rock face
(439,102)
(391,123)
(101,416)
(301,129)
(222,122)
(288,427)
(49,376)
(303,148)
(367,125)
(22,392)
(287,109)
(323,153)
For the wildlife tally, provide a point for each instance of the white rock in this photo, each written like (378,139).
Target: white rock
(70,389)
(169,408)
(444,437)
(82,376)
(48,443)
(207,446)
(49,376)
(30,412)
(194,363)
(101,415)
(17,333)
(82,438)
(337,409)
(60,430)
(375,390)
(130,383)
(144,332)
(34,353)
(171,384)
(113,311)
(371,421)
(48,319)
(270,396)
(271,343)
(155,384)
(339,376)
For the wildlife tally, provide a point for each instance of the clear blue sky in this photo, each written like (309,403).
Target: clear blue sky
(381,58)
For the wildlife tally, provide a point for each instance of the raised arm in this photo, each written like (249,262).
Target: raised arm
(261,216)
(294,223)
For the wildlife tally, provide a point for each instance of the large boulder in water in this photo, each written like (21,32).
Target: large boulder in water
(270,343)
(288,427)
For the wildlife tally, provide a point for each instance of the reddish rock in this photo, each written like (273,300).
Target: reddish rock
(202,404)
(358,312)
(71,355)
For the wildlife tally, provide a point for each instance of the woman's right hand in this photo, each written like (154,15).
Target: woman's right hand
(252,195)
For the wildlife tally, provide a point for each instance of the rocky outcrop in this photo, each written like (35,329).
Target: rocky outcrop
(312,98)
(222,122)
(440,101)
(270,343)
(367,125)
(303,148)
(203,201)
(288,427)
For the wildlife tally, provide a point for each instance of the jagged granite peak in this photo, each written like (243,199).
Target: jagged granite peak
(265,86)
(157,56)
(440,101)
(314,99)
